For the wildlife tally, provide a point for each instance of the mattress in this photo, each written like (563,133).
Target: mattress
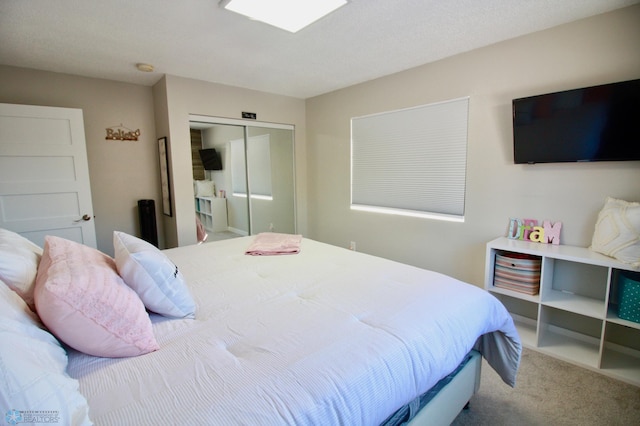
(325,336)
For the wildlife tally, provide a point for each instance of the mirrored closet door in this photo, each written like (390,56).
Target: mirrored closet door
(244,177)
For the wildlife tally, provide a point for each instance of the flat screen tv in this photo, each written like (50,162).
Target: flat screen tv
(210,159)
(598,123)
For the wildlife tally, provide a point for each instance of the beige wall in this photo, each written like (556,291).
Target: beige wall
(121,172)
(183,97)
(594,51)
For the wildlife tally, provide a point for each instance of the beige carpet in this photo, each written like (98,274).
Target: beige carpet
(552,392)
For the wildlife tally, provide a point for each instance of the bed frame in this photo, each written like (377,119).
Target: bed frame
(453,397)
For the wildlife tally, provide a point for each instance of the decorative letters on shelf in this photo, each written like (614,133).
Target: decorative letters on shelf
(529,230)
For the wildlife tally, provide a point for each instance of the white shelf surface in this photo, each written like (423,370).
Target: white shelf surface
(621,363)
(523,296)
(560,251)
(574,303)
(570,346)
(526,329)
(613,317)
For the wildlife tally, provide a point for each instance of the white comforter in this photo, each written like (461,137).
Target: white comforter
(324,337)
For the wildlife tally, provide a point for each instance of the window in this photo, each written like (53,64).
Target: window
(411,161)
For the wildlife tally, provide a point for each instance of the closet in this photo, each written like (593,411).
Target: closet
(255,187)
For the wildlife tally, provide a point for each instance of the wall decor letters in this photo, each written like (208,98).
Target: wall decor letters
(529,230)
(120,133)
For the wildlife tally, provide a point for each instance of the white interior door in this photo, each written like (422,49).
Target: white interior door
(44,174)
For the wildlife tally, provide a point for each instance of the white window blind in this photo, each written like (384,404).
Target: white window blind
(411,161)
(259,159)
(238,168)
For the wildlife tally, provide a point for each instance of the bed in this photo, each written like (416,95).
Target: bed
(322,336)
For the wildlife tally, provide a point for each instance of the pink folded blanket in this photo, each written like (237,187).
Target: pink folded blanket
(271,243)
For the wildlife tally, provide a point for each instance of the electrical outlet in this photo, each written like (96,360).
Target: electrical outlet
(352,245)
(271,227)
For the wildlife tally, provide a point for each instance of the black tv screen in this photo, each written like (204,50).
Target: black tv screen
(210,159)
(598,123)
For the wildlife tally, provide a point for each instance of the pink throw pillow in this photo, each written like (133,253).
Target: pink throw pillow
(83,301)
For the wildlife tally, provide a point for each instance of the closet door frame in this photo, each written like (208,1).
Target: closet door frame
(247,125)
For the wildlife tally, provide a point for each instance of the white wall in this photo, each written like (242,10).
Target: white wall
(594,51)
(121,172)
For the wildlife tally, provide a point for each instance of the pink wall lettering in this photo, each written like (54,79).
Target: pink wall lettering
(529,230)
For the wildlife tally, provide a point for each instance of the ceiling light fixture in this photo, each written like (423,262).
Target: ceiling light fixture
(144,67)
(290,15)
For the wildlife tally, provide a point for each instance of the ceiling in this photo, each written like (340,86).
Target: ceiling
(361,41)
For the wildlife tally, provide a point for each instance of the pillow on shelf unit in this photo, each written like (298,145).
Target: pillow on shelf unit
(155,278)
(617,232)
(205,188)
(19,260)
(33,366)
(83,301)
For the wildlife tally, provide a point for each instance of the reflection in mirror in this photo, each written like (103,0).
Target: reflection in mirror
(255,190)
(271,180)
(222,214)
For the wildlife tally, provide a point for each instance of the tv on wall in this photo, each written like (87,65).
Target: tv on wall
(598,123)
(210,159)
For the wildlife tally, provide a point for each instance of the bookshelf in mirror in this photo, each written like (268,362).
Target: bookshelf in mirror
(212,212)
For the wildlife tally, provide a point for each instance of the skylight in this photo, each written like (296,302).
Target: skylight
(289,15)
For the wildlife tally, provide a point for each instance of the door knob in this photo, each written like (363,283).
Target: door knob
(86,217)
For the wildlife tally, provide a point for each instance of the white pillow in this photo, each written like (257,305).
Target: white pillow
(33,363)
(205,188)
(19,260)
(13,307)
(151,274)
(617,232)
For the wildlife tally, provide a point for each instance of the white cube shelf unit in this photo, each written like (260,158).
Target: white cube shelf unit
(574,317)
(212,212)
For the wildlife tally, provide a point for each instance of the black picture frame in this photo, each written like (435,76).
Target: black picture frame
(164,176)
